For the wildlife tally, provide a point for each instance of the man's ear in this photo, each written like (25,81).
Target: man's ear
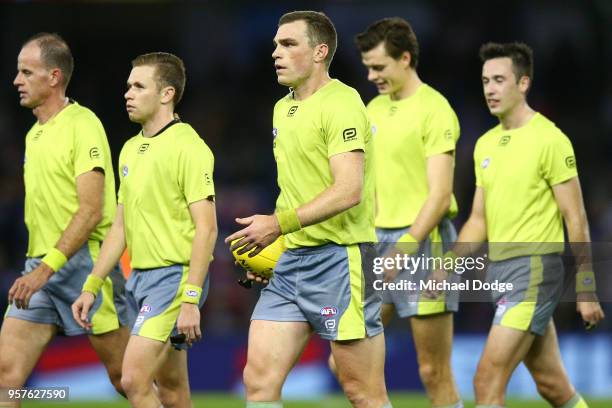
(320,52)
(167,94)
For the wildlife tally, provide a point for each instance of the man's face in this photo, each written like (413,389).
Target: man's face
(33,80)
(387,73)
(293,55)
(501,90)
(143,96)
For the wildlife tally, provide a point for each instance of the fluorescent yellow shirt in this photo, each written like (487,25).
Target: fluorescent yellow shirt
(160,177)
(56,153)
(306,134)
(517,169)
(406,133)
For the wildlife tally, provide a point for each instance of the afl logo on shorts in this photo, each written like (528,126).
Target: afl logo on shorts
(485,163)
(124,170)
(145,309)
(329,311)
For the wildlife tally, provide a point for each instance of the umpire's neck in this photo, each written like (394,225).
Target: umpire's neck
(50,107)
(158,121)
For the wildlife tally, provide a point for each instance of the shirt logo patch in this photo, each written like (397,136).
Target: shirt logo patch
(392,110)
(570,162)
(37,135)
(124,170)
(349,134)
(143,148)
(448,134)
(274,133)
(207,179)
(485,163)
(504,140)
(292,110)
(94,153)
(374,130)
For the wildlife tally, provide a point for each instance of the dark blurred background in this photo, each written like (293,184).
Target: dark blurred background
(231,90)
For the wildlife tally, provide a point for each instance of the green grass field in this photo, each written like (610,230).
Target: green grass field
(226,401)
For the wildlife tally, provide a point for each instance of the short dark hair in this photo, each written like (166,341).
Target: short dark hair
(169,71)
(320,30)
(54,53)
(397,35)
(521,55)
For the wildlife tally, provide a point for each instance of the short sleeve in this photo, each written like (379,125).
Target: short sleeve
(90,145)
(196,166)
(345,124)
(558,162)
(441,130)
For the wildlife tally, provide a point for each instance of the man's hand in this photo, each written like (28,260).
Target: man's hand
(24,287)
(188,322)
(260,231)
(436,276)
(391,273)
(398,253)
(81,308)
(250,277)
(589,309)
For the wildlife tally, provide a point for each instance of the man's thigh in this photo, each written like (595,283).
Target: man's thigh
(433,337)
(505,349)
(545,364)
(21,344)
(173,375)
(110,347)
(144,357)
(363,360)
(275,347)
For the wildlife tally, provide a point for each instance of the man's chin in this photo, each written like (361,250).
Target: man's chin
(134,118)
(26,104)
(283,81)
(495,112)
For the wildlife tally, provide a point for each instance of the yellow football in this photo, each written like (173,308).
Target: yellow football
(263,263)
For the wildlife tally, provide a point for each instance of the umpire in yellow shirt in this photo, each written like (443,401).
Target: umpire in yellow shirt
(526,186)
(166,219)
(69,206)
(415,131)
(325,210)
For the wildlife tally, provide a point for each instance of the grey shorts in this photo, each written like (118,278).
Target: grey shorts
(329,286)
(154,297)
(537,286)
(412,303)
(52,304)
